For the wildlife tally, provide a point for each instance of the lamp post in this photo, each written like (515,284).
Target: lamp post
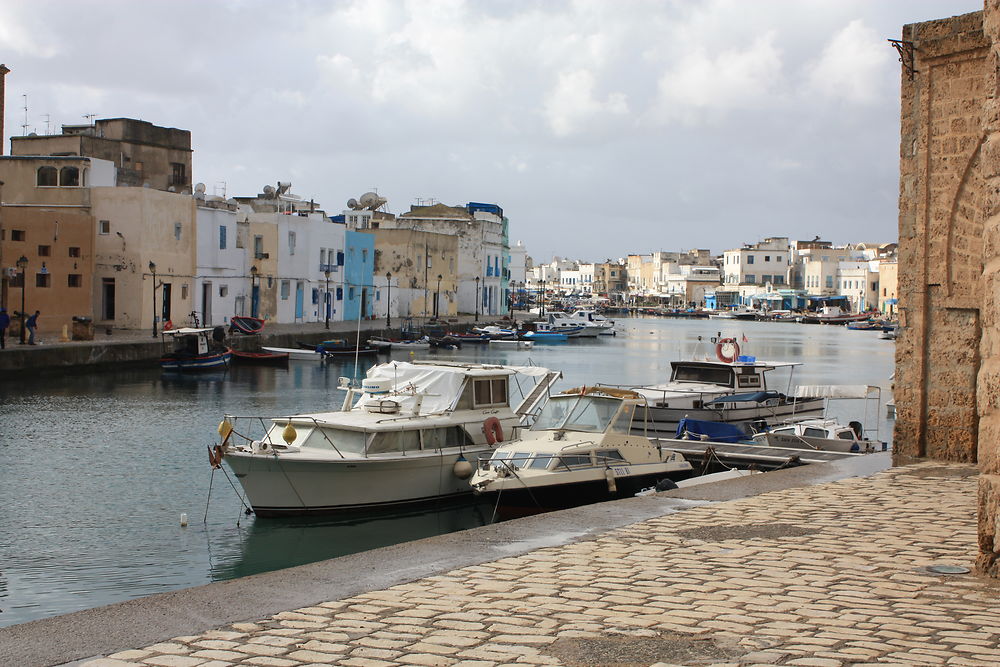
(22,264)
(326,297)
(437,297)
(477,298)
(254,294)
(541,307)
(152,269)
(388,299)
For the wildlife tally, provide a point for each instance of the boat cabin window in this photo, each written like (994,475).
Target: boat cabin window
(541,461)
(573,461)
(846,435)
(812,432)
(500,455)
(748,380)
(589,414)
(788,430)
(487,392)
(517,461)
(703,375)
(346,442)
(609,455)
(440,438)
(623,422)
(394,441)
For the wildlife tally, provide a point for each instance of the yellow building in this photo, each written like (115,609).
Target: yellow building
(423,269)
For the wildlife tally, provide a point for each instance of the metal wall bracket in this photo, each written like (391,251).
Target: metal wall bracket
(905,51)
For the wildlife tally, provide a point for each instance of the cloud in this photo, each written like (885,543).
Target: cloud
(852,67)
(572,103)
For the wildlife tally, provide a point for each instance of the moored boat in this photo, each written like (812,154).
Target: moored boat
(264,358)
(296,354)
(196,349)
(246,325)
(413,432)
(581,448)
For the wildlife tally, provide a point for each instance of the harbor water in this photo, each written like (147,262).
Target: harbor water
(96,468)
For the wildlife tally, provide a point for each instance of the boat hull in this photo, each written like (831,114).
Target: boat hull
(282,485)
(203,362)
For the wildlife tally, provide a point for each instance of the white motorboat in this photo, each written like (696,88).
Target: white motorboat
(423,343)
(573,327)
(731,389)
(413,432)
(296,354)
(581,448)
(593,318)
(829,434)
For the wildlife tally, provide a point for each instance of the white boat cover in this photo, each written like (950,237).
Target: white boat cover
(438,383)
(836,391)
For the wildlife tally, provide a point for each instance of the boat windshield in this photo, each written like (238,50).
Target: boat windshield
(589,414)
(703,375)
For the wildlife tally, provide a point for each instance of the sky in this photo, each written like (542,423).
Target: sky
(602,127)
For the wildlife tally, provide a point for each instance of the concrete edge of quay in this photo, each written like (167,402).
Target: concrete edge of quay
(143,621)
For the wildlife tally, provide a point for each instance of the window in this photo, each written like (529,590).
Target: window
(258,246)
(223,290)
(74,251)
(779,280)
(184,291)
(322,259)
(17,235)
(104,227)
(767,258)
(810,432)
(490,392)
(74,280)
(69,177)
(177,231)
(350,293)
(315,295)
(749,259)
(340,294)
(44,250)
(291,243)
(751,280)
(47,177)
(829,281)
(43,280)
(286,288)
(364,254)
(340,258)
(222,237)
(765,278)
(178,174)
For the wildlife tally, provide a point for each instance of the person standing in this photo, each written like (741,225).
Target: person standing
(4,323)
(31,325)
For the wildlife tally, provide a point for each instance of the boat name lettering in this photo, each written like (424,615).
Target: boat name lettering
(620,470)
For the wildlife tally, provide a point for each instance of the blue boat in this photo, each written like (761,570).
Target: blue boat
(196,350)
(544,337)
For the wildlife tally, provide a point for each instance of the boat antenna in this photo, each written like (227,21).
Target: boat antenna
(357,337)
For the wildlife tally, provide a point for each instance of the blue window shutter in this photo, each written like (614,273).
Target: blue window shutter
(340,258)
(222,237)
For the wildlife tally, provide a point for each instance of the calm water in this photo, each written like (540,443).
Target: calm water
(95,469)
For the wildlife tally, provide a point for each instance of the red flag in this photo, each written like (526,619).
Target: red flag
(745,339)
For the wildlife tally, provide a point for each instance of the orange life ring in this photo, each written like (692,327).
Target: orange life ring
(721,355)
(493,430)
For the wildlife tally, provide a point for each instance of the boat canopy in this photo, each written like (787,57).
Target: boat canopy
(837,391)
(705,430)
(751,397)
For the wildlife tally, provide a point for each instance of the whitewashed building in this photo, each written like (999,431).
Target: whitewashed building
(222,273)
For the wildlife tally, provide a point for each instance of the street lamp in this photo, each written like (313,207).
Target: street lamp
(152,269)
(388,299)
(326,297)
(22,264)
(254,294)
(437,296)
(541,307)
(477,298)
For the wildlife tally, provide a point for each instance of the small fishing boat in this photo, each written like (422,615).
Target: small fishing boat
(544,337)
(339,347)
(246,325)
(592,318)
(423,343)
(196,349)
(264,358)
(469,337)
(581,448)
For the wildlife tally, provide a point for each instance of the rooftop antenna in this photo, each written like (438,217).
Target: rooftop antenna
(48,123)
(24,126)
(90,117)
(220,189)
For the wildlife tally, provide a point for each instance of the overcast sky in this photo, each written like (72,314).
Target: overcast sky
(602,127)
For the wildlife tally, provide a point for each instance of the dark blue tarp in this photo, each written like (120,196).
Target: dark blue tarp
(715,431)
(753,397)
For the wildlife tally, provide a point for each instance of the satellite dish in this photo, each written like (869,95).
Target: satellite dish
(200,188)
(268,191)
(352,203)
(368,198)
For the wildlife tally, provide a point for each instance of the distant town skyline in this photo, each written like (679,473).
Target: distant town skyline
(602,129)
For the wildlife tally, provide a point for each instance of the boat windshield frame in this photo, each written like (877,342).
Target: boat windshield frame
(577,407)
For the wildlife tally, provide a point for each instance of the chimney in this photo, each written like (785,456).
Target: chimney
(3,77)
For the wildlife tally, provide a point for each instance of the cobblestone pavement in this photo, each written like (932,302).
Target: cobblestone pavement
(822,576)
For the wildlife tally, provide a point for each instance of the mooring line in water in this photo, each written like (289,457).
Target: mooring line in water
(209,500)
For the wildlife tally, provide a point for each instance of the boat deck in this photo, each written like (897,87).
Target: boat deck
(743,455)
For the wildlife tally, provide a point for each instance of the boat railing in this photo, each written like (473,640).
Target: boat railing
(651,393)
(235,420)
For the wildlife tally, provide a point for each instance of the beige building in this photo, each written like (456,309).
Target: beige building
(47,219)
(888,298)
(948,355)
(414,259)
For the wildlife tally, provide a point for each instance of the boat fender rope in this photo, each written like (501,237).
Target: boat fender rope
(493,430)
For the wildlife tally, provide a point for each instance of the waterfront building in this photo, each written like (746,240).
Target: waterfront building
(858,281)
(46,218)
(888,298)
(758,264)
(411,260)
(222,273)
(611,280)
(358,292)
(948,352)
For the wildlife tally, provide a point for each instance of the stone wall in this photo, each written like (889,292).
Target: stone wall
(948,354)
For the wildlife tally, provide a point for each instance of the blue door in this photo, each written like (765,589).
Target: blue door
(299,298)
(255,301)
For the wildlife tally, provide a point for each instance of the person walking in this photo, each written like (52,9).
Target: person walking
(31,325)
(4,323)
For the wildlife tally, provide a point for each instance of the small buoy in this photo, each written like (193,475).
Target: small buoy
(462,468)
(288,434)
(225,428)
(184,520)
(411,353)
